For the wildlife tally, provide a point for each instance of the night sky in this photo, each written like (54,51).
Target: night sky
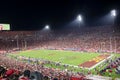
(34,15)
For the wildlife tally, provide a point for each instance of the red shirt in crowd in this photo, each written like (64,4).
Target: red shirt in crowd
(9,72)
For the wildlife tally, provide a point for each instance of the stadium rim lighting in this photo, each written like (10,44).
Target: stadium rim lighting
(113,12)
(79,18)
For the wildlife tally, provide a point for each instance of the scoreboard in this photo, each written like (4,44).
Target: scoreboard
(4,27)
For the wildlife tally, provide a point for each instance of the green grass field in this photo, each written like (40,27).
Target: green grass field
(65,57)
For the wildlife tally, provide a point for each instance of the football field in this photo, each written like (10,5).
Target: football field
(65,57)
(73,58)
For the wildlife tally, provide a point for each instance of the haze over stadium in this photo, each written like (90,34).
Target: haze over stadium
(60,40)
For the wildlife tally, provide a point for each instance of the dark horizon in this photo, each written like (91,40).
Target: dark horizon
(31,15)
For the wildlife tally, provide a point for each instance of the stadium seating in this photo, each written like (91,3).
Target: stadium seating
(95,39)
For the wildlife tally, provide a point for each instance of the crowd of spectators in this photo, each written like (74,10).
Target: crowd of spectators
(12,69)
(96,39)
(111,66)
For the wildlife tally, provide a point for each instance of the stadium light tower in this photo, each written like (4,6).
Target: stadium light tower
(113,14)
(79,19)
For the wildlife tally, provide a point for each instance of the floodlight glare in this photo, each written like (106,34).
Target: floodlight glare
(113,13)
(79,18)
(47,27)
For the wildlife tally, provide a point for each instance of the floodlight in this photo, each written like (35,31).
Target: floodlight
(47,27)
(79,18)
(113,13)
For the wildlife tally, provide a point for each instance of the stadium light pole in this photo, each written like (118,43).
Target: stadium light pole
(79,19)
(115,44)
(111,44)
(113,14)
